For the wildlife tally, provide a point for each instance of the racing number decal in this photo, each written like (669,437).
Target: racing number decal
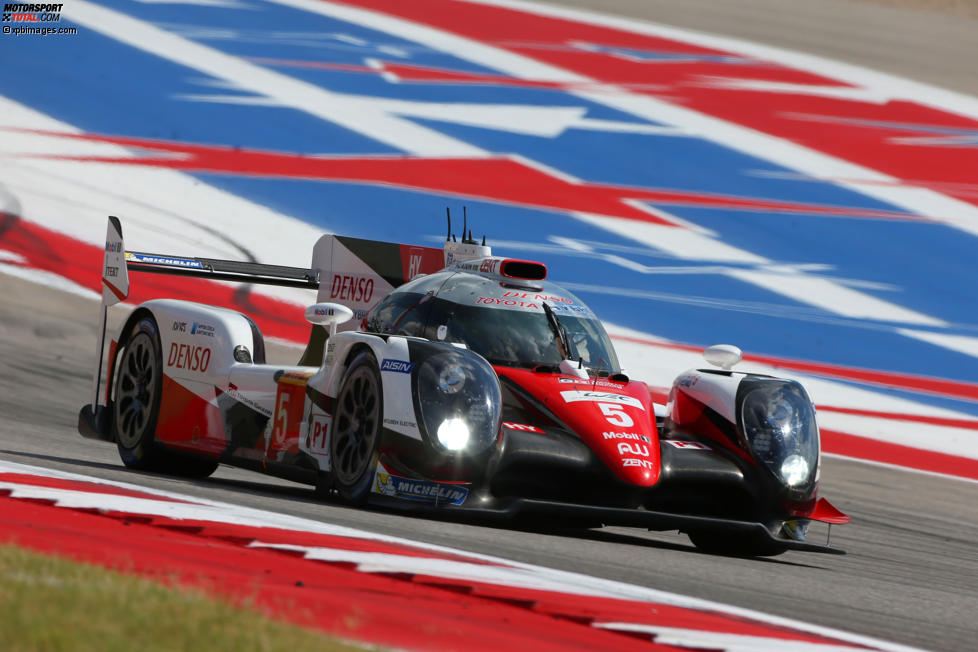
(287,417)
(616,415)
(281,418)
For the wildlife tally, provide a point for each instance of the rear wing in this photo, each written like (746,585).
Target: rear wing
(222,270)
(350,271)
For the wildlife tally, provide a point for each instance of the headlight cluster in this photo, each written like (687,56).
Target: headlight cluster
(778,423)
(459,400)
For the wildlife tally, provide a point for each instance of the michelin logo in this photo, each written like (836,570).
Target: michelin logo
(395,486)
(164,260)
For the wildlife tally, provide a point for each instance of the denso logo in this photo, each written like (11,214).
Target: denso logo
(191,358)
(399,366)
(352,288)
(624,448)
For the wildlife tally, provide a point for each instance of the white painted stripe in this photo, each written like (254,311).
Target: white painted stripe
(726,133)
(897,467)
(376,120)
(765,86)
(685,244)
(161,210)
(951,211)
(960,343)
(833,297)
(48,279)
(704,640)
(344,110)
(568,582)
(925,436)
(883,83)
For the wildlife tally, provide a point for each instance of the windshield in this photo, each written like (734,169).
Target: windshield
(521,335)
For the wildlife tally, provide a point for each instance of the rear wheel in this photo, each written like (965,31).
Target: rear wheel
(136,408)
(736,544)
(357,423)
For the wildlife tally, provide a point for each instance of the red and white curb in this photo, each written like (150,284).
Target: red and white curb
(368,587)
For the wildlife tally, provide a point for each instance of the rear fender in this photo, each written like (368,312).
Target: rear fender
(198,342)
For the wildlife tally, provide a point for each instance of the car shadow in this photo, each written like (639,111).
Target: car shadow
(70,461)
(308,495)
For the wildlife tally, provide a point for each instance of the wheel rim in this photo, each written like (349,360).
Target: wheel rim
(356,426)
(135,390)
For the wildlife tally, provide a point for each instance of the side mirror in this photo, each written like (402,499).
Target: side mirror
(724,356)
(330,315)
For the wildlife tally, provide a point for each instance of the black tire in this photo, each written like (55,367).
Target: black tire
(357,422)
(734,544)
(138,391)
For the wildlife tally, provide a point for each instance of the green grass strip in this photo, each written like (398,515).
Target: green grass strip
(53,604)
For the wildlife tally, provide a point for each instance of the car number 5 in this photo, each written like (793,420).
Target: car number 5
(616,415)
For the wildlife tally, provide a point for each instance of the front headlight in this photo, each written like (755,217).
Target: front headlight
(778,423)
(458,399)
(453,433)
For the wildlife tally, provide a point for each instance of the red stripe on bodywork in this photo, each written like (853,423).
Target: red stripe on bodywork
(189,421)
(116,291)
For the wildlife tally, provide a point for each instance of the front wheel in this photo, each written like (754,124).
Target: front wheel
(357,423)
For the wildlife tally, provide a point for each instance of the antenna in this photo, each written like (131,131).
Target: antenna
(483,239)
(448,215)
(464,223)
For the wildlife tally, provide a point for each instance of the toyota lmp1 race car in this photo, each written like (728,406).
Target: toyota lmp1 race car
(467,383)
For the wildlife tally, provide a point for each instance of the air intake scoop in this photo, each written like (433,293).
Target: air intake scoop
(504,269)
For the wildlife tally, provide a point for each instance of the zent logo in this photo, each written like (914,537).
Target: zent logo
(399,366)
(191,358)
(645,464)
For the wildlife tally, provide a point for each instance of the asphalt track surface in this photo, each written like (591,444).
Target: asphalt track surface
(911,575)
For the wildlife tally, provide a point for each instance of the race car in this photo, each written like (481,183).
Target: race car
(455,381)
